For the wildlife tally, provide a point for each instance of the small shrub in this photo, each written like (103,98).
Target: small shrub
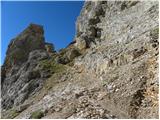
(37,114)
(13,113)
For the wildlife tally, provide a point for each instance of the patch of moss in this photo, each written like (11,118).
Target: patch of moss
(12,114)
(54,80)
(52,66)
(104,83)
(62,51)
(154,33)
(37,114)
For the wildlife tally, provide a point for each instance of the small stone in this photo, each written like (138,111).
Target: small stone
(57,109)
(22,107)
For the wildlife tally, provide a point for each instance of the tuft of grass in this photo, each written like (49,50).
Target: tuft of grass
(104,83)
(37,114)
(12,114)
(154,33)
(52,66)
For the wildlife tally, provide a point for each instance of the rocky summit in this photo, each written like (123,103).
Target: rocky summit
(110,70)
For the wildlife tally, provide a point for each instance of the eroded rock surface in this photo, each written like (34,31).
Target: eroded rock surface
(120,40)
(110,70)
(21,73)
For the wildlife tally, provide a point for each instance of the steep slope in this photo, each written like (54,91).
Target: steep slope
(123,51)
(110,70)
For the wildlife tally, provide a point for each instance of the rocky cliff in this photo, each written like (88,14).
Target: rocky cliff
(110,70)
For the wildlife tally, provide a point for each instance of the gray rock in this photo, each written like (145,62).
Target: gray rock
(72,54)
(127,38)
(20,47)
(81,43)
(115,77)
(49,47)
(22,77)
(22,107)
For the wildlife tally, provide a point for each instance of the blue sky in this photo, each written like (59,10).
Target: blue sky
(57,18)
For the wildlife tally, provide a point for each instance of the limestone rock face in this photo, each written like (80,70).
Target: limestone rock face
(110,70)
(81,43)
(19,48)
(67,55)
(120,39)
(21,75)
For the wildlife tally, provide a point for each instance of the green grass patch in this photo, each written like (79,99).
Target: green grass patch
(14,113)
(10,114)
(37,114)
(52,66)
(155,33)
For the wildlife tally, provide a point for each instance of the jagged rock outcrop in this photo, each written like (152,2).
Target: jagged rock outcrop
(19,48)
(110,70)
(21,73)
(49,47)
